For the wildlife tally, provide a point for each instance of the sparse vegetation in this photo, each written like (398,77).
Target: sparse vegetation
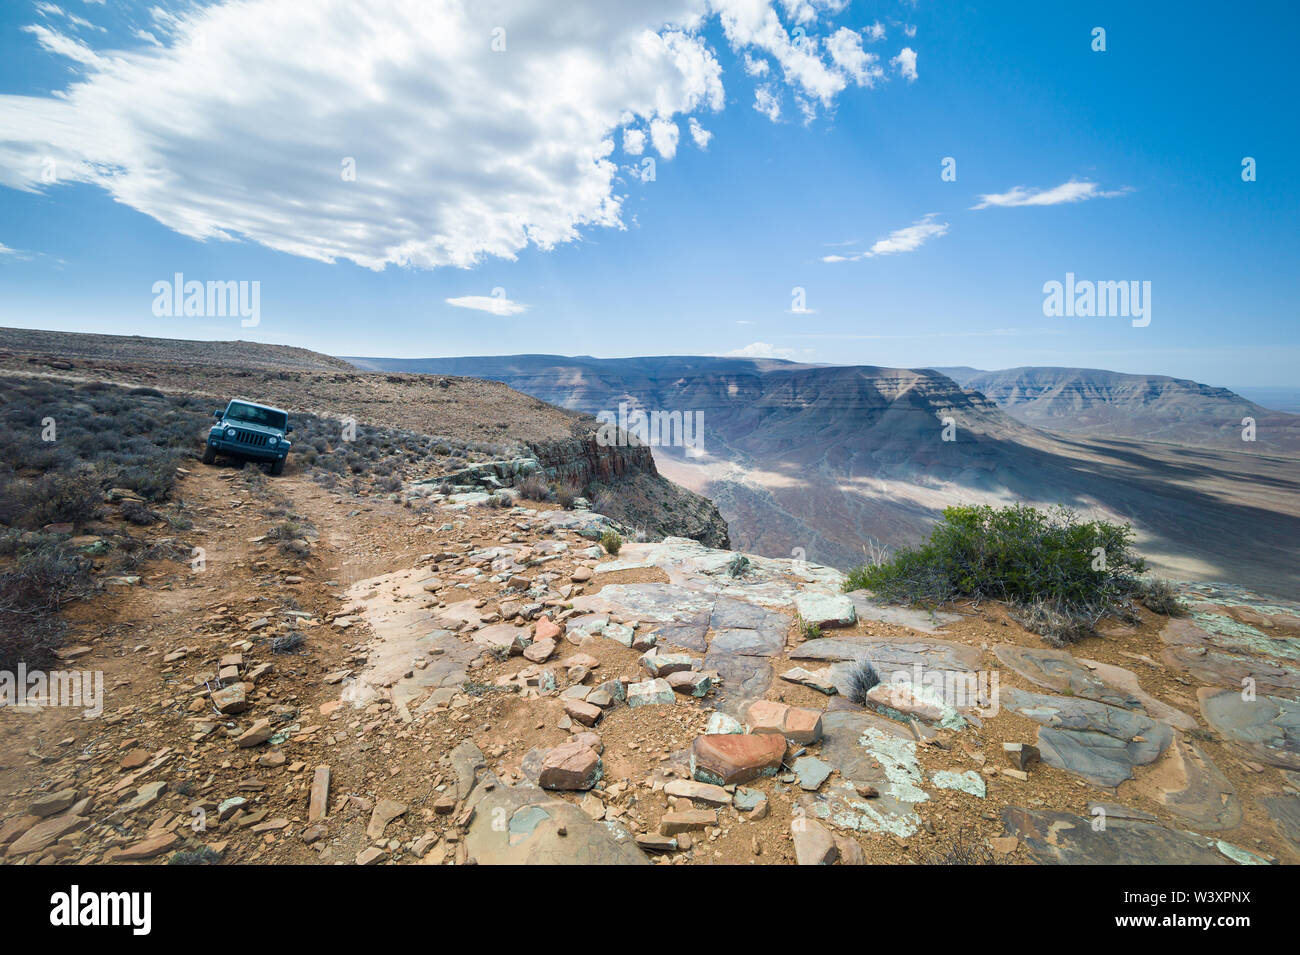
(862,677)
(738,566)
(1061,574)
(611,542)
(287,642)
(1159,596)
(810,631)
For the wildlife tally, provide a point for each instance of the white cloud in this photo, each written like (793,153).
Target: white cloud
(756,66)
(699,134)
(237,119)
(905,63)
(759,350)
(767,103)
(876,32)
(1076,190)
(663,134)
(497,305)
(909,31)
(633,141)
(845,47)
(907,239)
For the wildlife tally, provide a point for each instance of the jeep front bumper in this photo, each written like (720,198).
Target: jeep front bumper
(223,445)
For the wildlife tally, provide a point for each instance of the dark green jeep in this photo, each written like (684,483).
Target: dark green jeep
(249,432)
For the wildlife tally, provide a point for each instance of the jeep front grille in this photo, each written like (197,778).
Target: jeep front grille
(251,438)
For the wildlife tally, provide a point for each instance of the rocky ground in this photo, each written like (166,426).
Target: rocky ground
(452,683)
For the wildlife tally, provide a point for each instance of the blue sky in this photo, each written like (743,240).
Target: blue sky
(221,160)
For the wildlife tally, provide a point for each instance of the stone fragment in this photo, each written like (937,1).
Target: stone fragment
(813,843)
(649,692)
(687,820)
(736,758)
(385,811)
(571,766)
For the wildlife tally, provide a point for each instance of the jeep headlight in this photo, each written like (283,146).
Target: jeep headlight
(230,432)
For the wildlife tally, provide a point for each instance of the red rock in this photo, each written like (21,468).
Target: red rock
(674,822)
(728,758)
(135,759)
(585,713)
(813,844)
(147,848)
(545,630)
(796,723)
(570,766)
(44,834)
(320,794)
(540,650)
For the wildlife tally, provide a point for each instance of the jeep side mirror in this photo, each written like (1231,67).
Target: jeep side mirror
(216,414)
(288,429)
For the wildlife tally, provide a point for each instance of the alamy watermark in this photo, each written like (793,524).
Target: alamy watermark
(194,299)
(1087,299)
(36,688)
(658,429)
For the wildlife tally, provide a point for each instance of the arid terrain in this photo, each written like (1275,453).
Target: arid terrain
(419,665)
(817,461)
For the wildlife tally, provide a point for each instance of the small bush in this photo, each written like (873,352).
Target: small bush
(861,678)
(287,642)
(810,631)
(738,566)
(533,488)
(565,495)
(44,577)
(204,855)
(611,542)
(1160,596)
(137,513)
(1062,574)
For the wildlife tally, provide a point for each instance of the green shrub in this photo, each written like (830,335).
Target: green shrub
(611,542)
(1059,572)
(738,566)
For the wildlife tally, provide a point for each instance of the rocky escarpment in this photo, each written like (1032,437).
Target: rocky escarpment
(622,479)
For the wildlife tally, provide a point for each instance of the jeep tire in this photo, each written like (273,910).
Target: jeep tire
(209,454)
(277,468)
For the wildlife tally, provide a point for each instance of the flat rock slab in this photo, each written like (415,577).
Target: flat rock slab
(1226,669)
(744,678)
(1284,811)
(466,761)
(530,834)
(1090,739)
(868,750)
(403,631)
(891,655)
(1059,838)
(1188,783)
(747,643)
(1267,727)
(1059,671)
(825,609)
(926,621)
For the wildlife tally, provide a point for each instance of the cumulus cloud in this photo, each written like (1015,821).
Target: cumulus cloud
(845,47)
(414,134)
(905,63)
(876,32)
(907,239)
(633,141)
(759,350)
(767,103)
(663,134)
(1076,190)
(496,304)
(699,133)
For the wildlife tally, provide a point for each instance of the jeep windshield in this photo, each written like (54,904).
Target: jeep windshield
(252,414)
